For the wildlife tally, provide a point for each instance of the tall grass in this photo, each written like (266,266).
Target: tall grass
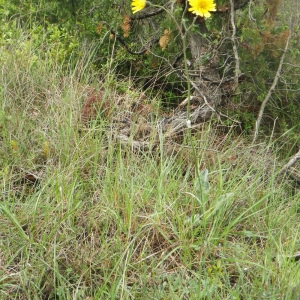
(99,220)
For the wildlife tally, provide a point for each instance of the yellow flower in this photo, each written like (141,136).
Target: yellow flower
(202,7)
(137,5)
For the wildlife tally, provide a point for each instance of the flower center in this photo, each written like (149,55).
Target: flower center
(203,5)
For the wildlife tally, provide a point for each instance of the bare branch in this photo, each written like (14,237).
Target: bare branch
(234,48)
(272,88)
(149,15)
(290,163)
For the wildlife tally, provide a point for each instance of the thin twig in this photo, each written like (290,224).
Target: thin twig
(145,16)
(234,48)
(272,88)
(249,12)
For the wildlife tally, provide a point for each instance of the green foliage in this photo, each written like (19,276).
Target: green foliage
(102,221)
(57,29)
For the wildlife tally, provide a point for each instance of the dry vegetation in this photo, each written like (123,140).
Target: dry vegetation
(106,195)
(87,213)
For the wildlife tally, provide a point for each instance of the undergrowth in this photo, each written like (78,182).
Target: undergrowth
(83,216)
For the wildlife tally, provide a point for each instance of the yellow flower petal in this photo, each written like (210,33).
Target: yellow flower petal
(137,5)
(202,7)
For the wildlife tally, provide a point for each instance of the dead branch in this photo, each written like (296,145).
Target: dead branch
(291,162)
(149,15)
(272,88)
(234,47)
